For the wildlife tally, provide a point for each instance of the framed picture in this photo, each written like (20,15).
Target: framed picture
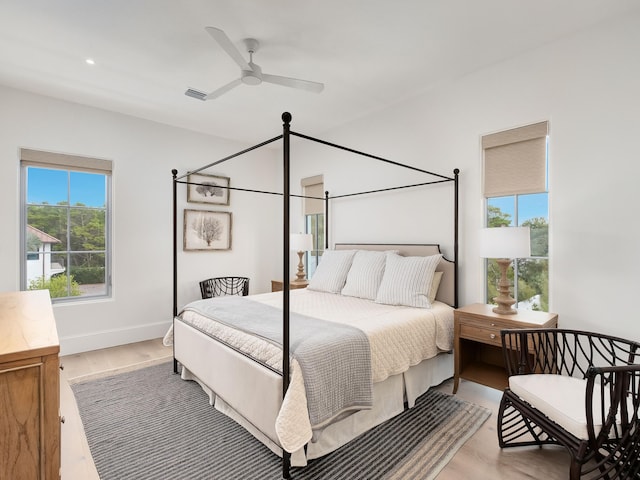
(205,230)
(208,189)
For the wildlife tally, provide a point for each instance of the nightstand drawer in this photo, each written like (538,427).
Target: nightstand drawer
(484,334)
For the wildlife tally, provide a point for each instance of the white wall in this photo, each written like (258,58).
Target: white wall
(143,155)
(587,87)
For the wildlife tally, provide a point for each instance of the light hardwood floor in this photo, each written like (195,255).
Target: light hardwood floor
(480,458)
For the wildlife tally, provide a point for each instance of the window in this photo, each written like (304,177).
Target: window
(314,220)
(65,225)
(516,193)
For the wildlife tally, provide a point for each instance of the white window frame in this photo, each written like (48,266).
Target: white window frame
(68,163)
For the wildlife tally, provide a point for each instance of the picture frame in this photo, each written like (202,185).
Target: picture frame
(206,230)
(212,189)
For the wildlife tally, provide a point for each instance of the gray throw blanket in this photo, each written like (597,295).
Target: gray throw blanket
(335,359)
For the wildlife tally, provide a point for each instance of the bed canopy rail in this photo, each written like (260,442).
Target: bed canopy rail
(442,179)
(286,194)
(375,157)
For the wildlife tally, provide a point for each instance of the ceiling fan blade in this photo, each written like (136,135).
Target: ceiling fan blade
(192,92)
(228,46)
(293,82)
(223,90)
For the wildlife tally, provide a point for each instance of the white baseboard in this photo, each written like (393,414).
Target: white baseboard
(112,338)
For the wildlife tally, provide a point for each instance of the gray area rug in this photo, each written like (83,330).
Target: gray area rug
(149,424)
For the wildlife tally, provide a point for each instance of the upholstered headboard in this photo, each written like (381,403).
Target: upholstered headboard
(446,292)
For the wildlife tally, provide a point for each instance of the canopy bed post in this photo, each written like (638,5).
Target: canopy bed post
(326,220)
(286,118)
(174,172)
(456,172)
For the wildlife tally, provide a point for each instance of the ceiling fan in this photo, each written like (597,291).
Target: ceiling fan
(250,73)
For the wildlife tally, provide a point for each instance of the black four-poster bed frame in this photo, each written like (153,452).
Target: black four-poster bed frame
(286,195)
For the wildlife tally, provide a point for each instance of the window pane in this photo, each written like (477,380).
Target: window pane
(47,186)
(319,245)
(533,284)
(48,227)
(88,272)
(533,212)
(88,189)
(501,211)
(314,224)
(52,276)
(40,267)
(532,207)
(87,229)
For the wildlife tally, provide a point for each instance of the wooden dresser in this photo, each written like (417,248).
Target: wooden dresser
(29,387)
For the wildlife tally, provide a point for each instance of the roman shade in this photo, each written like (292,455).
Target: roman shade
(37,158)
(515,161)
(313,187)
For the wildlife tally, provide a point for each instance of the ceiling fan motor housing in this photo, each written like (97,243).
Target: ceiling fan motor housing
(253,76)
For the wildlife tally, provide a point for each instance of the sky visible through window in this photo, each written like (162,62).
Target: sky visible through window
(529,206)
(52,186)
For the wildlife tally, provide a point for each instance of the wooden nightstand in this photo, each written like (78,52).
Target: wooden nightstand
(478,346)
(276,285)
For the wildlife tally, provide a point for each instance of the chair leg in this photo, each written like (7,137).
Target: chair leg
(500,427)
(579,461)
(574,470)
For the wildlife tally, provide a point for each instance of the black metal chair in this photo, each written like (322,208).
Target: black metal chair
(219,286)
(576,389)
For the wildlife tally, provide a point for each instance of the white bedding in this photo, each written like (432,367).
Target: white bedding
(400,337)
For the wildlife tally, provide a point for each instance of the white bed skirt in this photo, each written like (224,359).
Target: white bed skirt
(251,394)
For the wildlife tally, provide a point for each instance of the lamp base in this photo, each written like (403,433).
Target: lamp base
(300,275)
(504,300)
(504,310)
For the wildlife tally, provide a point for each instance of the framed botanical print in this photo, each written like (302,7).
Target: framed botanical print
(206,230)
(208,189)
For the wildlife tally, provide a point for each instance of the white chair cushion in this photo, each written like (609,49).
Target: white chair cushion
(560,398)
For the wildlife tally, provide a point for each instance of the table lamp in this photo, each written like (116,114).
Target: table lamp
(301,243)
(504,244)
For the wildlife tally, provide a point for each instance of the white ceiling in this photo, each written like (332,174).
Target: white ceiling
(368,53)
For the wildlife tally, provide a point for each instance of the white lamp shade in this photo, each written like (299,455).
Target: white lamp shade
(505,242)
(301,242)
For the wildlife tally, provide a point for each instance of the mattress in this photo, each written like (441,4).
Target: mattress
(399,337)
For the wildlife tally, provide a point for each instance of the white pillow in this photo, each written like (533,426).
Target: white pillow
(331,272)
(407,280)
(435,284)
(365,274)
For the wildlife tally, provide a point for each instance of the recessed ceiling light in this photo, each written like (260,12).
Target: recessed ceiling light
(90,61)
